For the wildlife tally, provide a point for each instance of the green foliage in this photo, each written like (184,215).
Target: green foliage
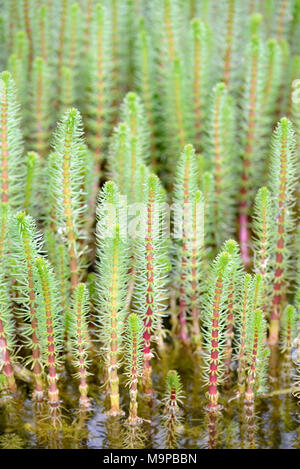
(129,148)
(40,117)
(201,79)
(214,318)
(151,257)
(26,244)
(78,334)
(5,221)
(133,114)
(174,384)
(256,351)
(274,61)
(11,152)
(67,188)
(99,99)
(70,57)
(49,315)
(288,330)
(18,66)
(172,418)
(8,328)
(145,64)
(251,139)
(112,268)
(263,241)
(222,149)
(283,180)
(33,173)
(133,346)
(78,322)
(176,104)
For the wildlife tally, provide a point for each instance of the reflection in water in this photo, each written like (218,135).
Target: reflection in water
(23,425)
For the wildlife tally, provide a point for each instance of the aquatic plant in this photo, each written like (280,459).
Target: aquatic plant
(112,282)
(150,253)
(263,241)
(78,333)
(27,246)
(149,221)
(99,82)
(221,151)
(134,362)
(172,414)
(251,140)
(214,338)
(50,331)
(7,336)
(12,165)
(256,352)
(185,187)
(283,180)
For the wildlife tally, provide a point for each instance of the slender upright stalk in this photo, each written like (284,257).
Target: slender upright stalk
(26,247)
(68,179)
(11,163)
(213,331)
(244,318)
(134,363)
(232,303)
(151,256)
(288,334)
(283,178)
(263,228)
(79,336)
(171,419)
(112,271)
(201,66)
(252,104)
(7,336)
(256,352)
(185,186)
(49,329)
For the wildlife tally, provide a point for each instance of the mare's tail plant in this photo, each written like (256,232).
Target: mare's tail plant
(185,185)
(257,356)
(221,149)
(26,247)
(196,268)
(40,118)
(32,190)
(234,283)
(7,337)
(201,66)
(251,138)
(50,336)
(158,226)
(11,151)
(78,332)
(263,242)
(151,270)
(134,362)
(244,314)
(147,87)
(172,413)
(67,178)
(98,85)
(112,282)
(214,323)
(283,179)
(287,337)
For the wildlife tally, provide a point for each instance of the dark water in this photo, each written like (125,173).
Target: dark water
(277,416)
